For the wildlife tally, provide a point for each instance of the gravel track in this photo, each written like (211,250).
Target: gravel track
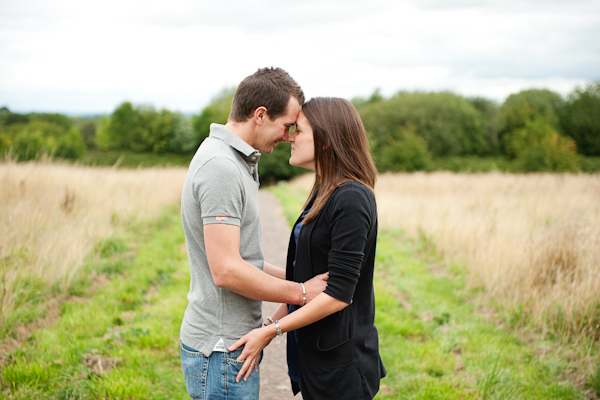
(274,381)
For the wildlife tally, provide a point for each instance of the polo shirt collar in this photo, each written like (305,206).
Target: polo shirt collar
(219,131)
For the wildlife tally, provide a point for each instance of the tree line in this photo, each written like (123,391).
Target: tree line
(533,130)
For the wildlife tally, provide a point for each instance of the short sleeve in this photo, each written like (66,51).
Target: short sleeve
(351,222)
(219,191)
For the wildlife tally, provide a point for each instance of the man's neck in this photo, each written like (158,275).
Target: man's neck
(243,130)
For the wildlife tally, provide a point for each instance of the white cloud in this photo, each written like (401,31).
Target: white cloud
(73,56)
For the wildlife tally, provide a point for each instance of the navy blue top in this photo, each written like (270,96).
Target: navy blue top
(292,336)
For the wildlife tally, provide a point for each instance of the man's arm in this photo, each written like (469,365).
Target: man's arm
(230,271)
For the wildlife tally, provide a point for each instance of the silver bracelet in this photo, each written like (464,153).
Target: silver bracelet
(304,293)
(279,331)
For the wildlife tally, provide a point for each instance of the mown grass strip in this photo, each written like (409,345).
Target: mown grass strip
(122,342)
(437,342)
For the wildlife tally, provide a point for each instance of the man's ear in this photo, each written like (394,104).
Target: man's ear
(260,114)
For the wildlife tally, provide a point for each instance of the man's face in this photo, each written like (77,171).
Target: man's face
(273,132)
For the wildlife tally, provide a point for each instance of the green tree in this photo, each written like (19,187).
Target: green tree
(142,128)
(216,112)
(70,145)
(449,123)
(103,138)
(146,135)
(116,132)
(361,102)
(406,153)
(28,140)
(538,147)
(183,139)
(8,118)
(160,131)
(88,133)
(528,105)
(59,119)
(490,121)
(276,166)
(581,118)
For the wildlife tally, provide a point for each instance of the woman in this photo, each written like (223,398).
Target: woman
(333,350)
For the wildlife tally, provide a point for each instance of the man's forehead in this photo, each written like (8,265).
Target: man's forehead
(291,117)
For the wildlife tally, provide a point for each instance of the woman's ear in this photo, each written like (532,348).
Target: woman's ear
(259,115)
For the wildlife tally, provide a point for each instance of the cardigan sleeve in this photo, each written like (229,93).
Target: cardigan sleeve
(352,216)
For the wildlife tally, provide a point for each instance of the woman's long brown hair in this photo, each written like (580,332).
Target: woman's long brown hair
(342,151)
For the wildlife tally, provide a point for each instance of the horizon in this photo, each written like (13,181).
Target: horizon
(92,114)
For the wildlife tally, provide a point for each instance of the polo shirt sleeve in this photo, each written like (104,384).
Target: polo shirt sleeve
(219,191)
(350,224)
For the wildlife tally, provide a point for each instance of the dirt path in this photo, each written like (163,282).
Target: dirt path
(274,381)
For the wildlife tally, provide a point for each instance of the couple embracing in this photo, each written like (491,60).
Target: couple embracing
(326,288)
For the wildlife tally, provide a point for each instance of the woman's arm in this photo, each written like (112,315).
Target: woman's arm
(281,312)
(254,342)
(274,271)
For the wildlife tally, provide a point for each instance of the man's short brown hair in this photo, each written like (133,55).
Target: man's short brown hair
(268,87)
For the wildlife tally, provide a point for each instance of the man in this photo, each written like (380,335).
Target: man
(219,209)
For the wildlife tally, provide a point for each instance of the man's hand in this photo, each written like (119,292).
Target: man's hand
(315,286)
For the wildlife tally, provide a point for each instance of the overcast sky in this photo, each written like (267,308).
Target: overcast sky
(78,56)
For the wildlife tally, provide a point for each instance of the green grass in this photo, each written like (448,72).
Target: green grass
(129,159)
(470,164)
(133,320)
(436,342)
(589,164)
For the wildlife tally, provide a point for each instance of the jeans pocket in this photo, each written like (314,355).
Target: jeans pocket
(189,351)
(194,365)
(248,389)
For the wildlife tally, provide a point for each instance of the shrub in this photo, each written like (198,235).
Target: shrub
(581,119)
(408,152)
(449,123)
(555,153)
(28,140)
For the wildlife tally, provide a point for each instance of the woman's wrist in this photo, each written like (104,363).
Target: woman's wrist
(278,331)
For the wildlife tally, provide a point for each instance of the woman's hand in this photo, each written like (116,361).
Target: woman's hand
(254,342)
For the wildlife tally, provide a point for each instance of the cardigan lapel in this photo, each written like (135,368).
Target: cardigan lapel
(303,251)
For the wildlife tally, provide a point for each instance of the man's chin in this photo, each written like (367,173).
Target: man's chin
(269,149)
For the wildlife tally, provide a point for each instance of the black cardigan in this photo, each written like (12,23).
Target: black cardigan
(339,355)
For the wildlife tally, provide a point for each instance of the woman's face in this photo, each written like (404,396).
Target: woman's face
(303,144)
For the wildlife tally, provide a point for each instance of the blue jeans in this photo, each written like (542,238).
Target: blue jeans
(213,377)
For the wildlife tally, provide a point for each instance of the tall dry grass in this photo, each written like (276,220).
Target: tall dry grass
(532,241)
(52,215)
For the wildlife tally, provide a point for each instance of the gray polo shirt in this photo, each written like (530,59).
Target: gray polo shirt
(221,187)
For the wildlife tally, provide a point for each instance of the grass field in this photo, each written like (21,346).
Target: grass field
(55,215)
(441,338)
(104,324)
(118,338)
(532,242)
